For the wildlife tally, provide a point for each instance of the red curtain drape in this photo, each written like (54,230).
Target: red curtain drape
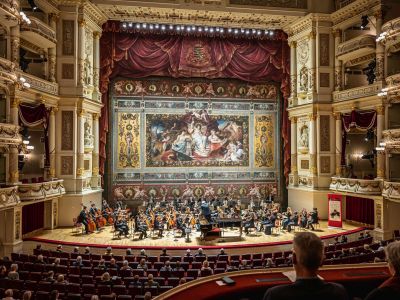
(360,210)
(34,116)
(32,217)
(138,55)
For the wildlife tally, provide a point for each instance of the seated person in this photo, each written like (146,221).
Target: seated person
(200,253)
(8,294)
(150,282)
(188,253)
(307,258)
(221,252)
(59,249)
(13,274)
(106,279)
(244,265)
(129,252)
(136,281)
(102,264)
(76,250)
(206,268)
(182,281)
(294,221)
(108,251)
(178,267)
(56,262)
(361,236)
(125,266)
(142,265)
(390,289)
(343,239)
(147,296)
(143,253)
(113,264)
(3,272)
(87,250)
(50,277)
(40,260)
(164,252)
(61,279)
(78,262)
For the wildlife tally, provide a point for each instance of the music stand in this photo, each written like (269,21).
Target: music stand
(188,231)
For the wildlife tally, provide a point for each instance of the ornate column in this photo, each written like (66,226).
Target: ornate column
(52,142)
(293,149)
(13,154)
(95,153)
(380,155)
(81,52)
(313,67)
(313,144)
(380,50)
(96,65)
(52,61)
(338,63)
(15,42)
(338,143)
(293,73)
(81,144)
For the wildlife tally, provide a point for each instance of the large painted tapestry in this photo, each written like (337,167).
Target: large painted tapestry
(128,140)
(196,139)
(264,141)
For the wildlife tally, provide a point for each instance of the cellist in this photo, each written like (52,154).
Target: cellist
(83,218)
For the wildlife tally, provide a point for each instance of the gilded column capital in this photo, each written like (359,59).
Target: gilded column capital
(79,172)
(312,117)
(96,35)
(81,113)
(54,17)
(82,23)
(378,14)
(15,102)
(96,117)
(337,115)
(293,44)
(293,120)
(380,110)
(312,35)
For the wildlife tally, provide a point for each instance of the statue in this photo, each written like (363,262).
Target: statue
(88,137)
(304,79)
(303,141)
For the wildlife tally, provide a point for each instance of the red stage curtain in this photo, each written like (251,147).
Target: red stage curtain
(138,55)
(360,210)
(32,217)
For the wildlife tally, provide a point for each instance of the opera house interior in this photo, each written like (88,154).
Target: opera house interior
(213,149)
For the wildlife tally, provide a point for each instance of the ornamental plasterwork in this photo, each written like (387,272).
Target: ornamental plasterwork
(8,197)
(40,191)
(9,134)
(353,9)
(304,25)
(303,52)
(391,190)
(40,84)
(359,92)
(358,186)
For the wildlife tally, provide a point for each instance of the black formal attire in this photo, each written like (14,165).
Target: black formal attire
(293,222)
(390,289)
(307,289)
(82,218)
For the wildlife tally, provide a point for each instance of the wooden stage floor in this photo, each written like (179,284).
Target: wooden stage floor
(104,238)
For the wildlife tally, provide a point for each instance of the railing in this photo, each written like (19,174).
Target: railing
(9,134)
(358,186)
(358,92)
(392,28)
(391,190)
(40,84)
(9,196)
(342,3)
(40,28)
(7,69)
(393,80)
(360,42)
(10,7)
(40,191)
(391,137)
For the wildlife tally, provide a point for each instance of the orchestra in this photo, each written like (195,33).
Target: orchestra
(182,216)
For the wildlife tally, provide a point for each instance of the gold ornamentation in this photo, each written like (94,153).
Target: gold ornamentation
(96,117)
(337,33)
(380,110)
(82,23)
(128,141)
(378,14)
(312,35)
(264,141)
(15,102)
(79,172)
(337,116)
(293,44)
(293,120)
(14,176)
(95,171)
(96,34)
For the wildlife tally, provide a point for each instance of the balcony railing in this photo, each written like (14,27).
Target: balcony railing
(358,186)
(40,84)
(9,134)
(9,12)
(358,92)
(7,69)
(391,190)
(393,80)
(357,47)
(392,28)
(39,33)
(391,137)
(8,196)
(41,191)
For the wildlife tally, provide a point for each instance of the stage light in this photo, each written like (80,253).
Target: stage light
(33,5)
(156,26)
(162,27)
(193,28)
(124,25)
(144,25)
(206,29)
(271,32)
(221,30)
(188,29)
(200,29)
(178,28)
(212,29)
(171,27)
(236,31)
(151,26)
(241,30)
(137,25)
(30,147)
(258,32)
(253,31)
(25,142)
(247,31)
(364,22)
(229,30)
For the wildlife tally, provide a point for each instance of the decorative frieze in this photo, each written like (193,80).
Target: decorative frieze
(41,191)
(7,69)
(358,186)
(356,47)
(40,84)
(9,196)
(391,138)
(358,92)
(39,31)
(391,190)
(9,134)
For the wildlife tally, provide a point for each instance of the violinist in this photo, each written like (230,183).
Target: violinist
(294,221)
(83,218)
(141,225)
(121,227)
(249,222)
(159,225)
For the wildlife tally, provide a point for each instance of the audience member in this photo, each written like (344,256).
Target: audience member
(307,258)
(94,297)
(182,281)
(178,267)
(361,236)
(56,262)
(147,296)
(78,262)
(113,264)
(76,250)
(143,253)
(108,251)
(125,265)
(3,272)
(59,249)
(390,289)
(8,295)
(102,264)
(244,265)
(206,268)
(150,282)
(50,277)
(129,252)
(166,267)
(142,265)
(221,252)
(188,253)
(27,295)
(343,239)
(106,279)
(54,295)
(61,279)
(40,260)
(87,250)
(200,253)
(381,247)
(164,252)
(13,274)
(136,281)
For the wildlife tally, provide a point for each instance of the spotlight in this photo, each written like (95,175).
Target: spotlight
(137,25)
(253,31)
(162,27)
(33,5)
(364,22)
(171,27)
(193,28)
(221,30)
(144,25)
(188,29)
(151,26)
(200,29)
(178,28)
(236,31)
(258,32)
(241,30)
(206,29)
(124,25)
(217,29)
(156,26)
(271,32)
(212,29)
(229,30)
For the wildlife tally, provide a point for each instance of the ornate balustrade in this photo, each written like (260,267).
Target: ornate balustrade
(357,47)
(358,186)
(7,71)
(9,12)
(39,33)
(8,196)
(393,80)
(391,137)
(358,92)
(391,190)
(392,28)
(40,84)
(40,191)
(9,135)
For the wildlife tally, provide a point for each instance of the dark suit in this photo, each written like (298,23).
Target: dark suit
(307,289)
(390,289)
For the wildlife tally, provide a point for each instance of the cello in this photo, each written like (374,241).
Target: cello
(91,224)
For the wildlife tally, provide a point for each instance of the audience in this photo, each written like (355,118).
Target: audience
(54,295)
(136,281)
(13,274)
(40,259)
(102,264)
(50,277)
(200,253)
(61,279)
(8,295)
(106,279)
(125,265)
(164,252)
(142,265)
(108,251)
(143,253)
(390,289)
(3,272)
(129,252)
(87,250)
(78,262)
(147,296)
(150,282)
(307,258)
(59,249)
(188,253)
(56,262)
(27,295)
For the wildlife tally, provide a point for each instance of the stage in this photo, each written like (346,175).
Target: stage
(231,239)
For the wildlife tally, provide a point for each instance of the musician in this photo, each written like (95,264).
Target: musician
(312,219)
(121,227)
(294,221)
(286,218)
(141,227)
(249,223)
(180,225)
(159,225)
(93,211)
(205,210)
(82,218)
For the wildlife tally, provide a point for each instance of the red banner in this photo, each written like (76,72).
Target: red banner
(335,210)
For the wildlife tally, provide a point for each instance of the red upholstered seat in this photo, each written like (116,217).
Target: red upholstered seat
(119,289)
(219,270)
(173,281)
(88,289)
(193,273)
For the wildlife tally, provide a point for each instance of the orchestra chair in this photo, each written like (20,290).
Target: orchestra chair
(78,228)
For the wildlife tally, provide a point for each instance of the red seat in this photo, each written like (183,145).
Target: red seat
(193,273)
(219,270)
(88,289)
(119,289)
(74,288)
(173,281)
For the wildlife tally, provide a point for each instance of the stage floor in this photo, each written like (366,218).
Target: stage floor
(231,240)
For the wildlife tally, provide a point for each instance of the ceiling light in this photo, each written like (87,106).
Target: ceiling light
(162,27)
(151,26)
(171,27)
(137,25)
(229,30)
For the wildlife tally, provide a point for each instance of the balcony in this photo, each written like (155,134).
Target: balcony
(40,84)
(7,69)
(8,196)
(357,186)
(358,92)
(41,191)
(391,190)
(393,81)
(355,48)
(9,135)
(39,33)
(392,28)
(9,12)
(392,138)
